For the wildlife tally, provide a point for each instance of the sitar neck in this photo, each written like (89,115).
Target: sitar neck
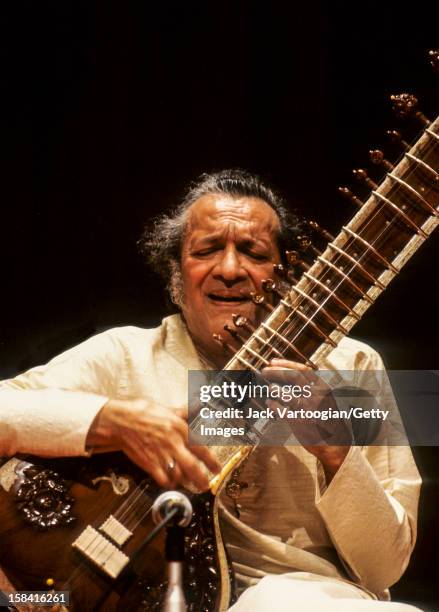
(356,266)
(349,275)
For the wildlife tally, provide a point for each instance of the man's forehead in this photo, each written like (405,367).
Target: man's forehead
(215,210)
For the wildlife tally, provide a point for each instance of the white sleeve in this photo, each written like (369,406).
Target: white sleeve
(48,410)
(370,506)
(370,510)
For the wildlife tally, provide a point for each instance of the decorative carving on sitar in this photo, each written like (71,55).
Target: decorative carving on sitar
(43,500)
(120,484)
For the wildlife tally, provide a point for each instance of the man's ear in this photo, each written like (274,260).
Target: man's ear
(175,285)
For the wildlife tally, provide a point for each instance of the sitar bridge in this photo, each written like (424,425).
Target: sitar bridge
(100,551)
(117,532)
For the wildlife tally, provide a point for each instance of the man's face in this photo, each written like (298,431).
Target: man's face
(228,250)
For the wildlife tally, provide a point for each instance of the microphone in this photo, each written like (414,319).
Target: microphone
(172,500)
(173,506)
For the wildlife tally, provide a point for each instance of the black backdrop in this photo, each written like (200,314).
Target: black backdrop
(111,108)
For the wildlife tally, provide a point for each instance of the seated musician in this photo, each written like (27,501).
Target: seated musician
(315,527)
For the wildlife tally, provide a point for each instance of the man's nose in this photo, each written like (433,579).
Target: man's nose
(229,268)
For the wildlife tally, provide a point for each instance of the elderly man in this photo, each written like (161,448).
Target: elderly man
(318,527)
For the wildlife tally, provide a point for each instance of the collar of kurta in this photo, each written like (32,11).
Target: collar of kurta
(178,343)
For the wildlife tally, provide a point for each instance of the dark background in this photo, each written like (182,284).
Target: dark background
(111,108)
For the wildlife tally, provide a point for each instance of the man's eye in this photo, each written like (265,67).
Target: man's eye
(204,252)
(258,256)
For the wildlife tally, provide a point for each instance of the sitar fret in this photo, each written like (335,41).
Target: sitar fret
(357,264)
(332,295)
(400,211)
(368,247)
(423,165)
(419,197)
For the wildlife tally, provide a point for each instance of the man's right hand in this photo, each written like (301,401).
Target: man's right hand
(155,438)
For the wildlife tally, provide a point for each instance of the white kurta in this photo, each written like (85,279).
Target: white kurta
(360,529)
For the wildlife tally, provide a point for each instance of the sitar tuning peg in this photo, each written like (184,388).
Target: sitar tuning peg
(270,286)
(304,243)
(229,329)
(316,227)
(288,275)
(241,321)
(377,158)
(226,346)
(405,106)
(361,175)
(433,54)
(281,271)
(396,137)
(294,259)
(260,300)
(347,193)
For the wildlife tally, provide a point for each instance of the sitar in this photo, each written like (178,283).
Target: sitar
(79,525)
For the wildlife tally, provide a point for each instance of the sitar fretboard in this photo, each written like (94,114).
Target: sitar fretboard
(356,266)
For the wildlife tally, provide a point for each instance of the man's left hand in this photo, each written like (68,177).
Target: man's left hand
(331,456)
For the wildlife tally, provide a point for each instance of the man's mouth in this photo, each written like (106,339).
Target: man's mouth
(231,299)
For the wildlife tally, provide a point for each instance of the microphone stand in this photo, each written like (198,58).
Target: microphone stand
(176,505)
(172,510)
(174,554)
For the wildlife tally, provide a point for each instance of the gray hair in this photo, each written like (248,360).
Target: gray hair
(161,241)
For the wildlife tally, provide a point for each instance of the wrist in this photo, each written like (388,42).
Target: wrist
(104,432)
(332,459)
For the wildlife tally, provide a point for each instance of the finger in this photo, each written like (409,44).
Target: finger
(308,374)
(191,468)
(283,376)
(182,413)
(146,460)
(160,476)
(302,375)
(180,425)
(173,472)
(168,419)
(277,363)
(197,446)
(154,469)
(207,456)
(285,366)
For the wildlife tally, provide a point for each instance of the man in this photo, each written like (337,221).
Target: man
(317,527)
